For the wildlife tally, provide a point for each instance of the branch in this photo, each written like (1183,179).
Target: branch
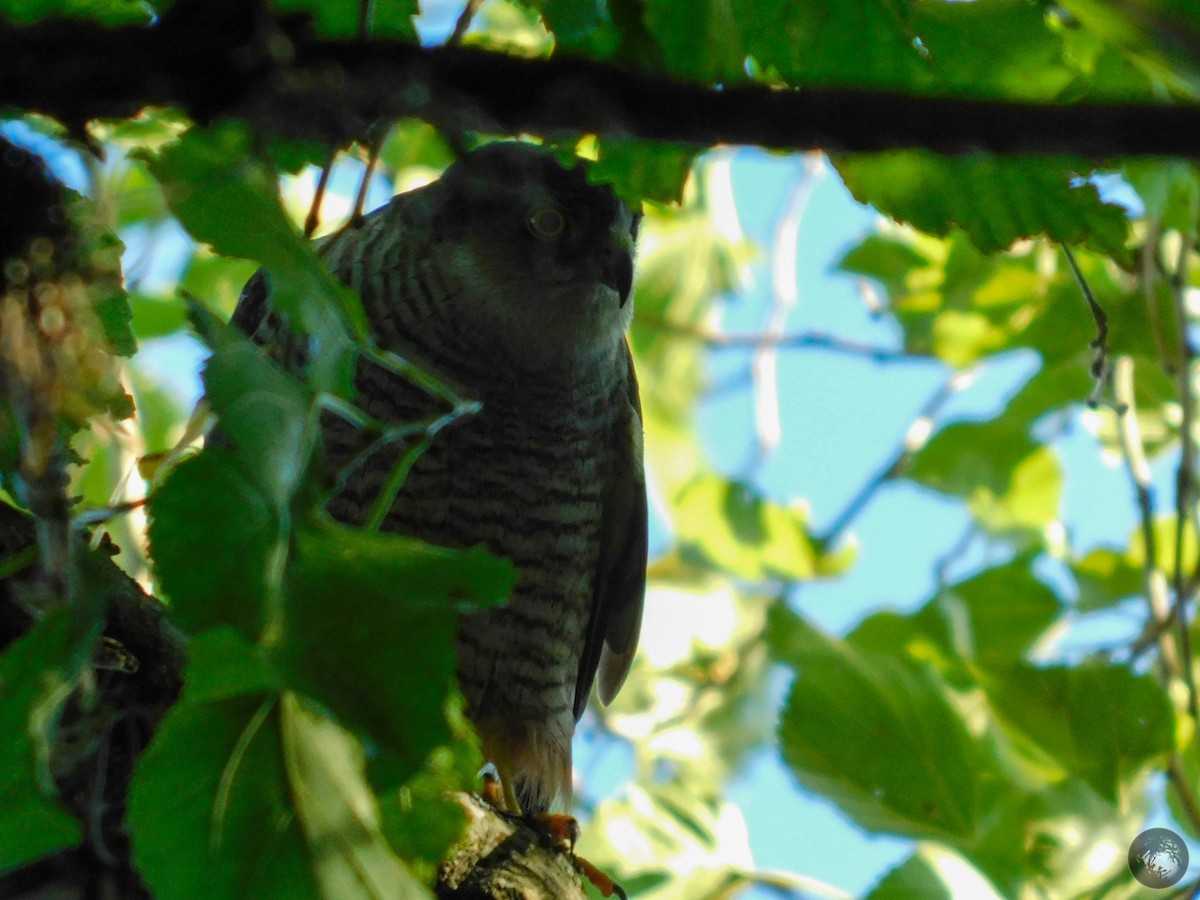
(1154,581)
(1100,368)
(805,340)
(501,857)
(1185,476)
(916,437)
(785,294)
(219,59)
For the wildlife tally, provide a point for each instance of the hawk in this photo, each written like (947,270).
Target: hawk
(509,278)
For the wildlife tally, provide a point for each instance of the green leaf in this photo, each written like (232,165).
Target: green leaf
(673,825)
(1012,485)
(337,811)
(1189,764)
(388,18)
(991,619)
(406,596)
(222,664)
(412,142)
(156,316)
(998,49)
(421,820)
(32,687)
(733,528)
(997,200)
(863,42)
(229,199)
(217,280)
(954,302)
(396,569)
(995,616)
(215,575)
(107,12)
(211,809)
(1165,529)
(1105,577)
(1142,33)
(1170,191)
(879,736)
(1036,838)
(136,196)
(934,872)
(115,315)
(700,39)
(640,169)
(263,412)
(1101,723)
(581,27)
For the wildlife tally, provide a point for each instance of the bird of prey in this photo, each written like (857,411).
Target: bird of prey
(509,278)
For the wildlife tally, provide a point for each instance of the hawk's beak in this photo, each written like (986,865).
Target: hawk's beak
(616,271)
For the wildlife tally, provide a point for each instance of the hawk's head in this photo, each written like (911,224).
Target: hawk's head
(537,259)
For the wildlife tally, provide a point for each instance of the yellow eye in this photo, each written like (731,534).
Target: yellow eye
(547,222)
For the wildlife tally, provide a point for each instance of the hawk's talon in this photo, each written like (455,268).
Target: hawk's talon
(560,830)
(601,881)
(563,830)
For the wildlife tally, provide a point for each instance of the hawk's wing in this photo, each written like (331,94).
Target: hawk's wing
(620,585)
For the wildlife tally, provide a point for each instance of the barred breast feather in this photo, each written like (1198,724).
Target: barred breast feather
(547,474)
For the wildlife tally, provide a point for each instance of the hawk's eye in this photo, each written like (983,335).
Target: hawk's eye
(547,222)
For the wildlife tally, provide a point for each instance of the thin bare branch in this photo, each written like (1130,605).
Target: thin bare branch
(1149,273)
(1154,581)
(916,437)
(1185,476)
(785,294)
(1100,366)
(941,568)
(313,219)
(366,10)
(463,25)
(1184,791)
(374,145)
(809,340)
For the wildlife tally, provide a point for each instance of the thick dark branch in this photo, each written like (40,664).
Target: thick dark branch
(233,59)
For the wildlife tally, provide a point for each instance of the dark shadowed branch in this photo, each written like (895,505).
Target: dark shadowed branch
(218,59)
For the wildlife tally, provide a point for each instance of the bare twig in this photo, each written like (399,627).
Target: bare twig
(785,294)
(463,25)
(314,210)
(942,566)
(366,9)
(1154,581)
(1184,790)
(1100,367)
(107,513)
(808,340)
(1149,275)
(375,140)
(1185,476)
(916,437)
